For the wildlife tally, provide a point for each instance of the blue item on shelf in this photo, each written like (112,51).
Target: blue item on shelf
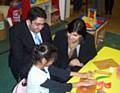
(96,25)
(19,5)
(32,1)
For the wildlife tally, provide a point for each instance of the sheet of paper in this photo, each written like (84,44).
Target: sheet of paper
(104,64)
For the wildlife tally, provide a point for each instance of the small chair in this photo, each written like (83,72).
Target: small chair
(20,87)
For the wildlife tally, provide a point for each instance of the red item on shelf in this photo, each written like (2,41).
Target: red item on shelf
(99,21)
(25,8)
(55,3)
(88,25)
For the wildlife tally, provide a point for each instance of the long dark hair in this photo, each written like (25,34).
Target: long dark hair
(77,25)
(44,50)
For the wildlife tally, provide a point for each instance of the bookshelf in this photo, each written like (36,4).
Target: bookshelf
(48,7)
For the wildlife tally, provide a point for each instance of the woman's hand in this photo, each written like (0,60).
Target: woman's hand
(75,62)
(85,83)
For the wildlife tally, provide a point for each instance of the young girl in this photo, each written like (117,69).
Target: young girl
(39,80)
(14,15)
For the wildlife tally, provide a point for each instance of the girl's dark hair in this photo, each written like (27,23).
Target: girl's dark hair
(44,50)
(36,12)
(77,25)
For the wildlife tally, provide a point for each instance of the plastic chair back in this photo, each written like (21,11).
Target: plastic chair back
(20,87)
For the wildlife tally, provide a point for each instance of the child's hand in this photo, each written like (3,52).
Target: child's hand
(88,82)
(85,83)
(86,75)
(82,75)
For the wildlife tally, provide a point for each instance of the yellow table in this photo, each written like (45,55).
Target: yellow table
(103,54)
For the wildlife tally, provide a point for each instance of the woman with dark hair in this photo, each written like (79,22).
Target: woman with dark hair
(75,46)
(39,80)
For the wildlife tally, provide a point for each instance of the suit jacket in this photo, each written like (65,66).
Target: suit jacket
(86,52)
(21,45)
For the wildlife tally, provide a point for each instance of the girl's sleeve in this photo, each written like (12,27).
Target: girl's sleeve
(57,87)
(60,73)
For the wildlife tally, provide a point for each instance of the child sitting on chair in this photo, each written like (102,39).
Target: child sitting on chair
(39,80)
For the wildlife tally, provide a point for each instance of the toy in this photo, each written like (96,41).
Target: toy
(118,72)
(90,19)
(92,13)
(89,22)
(102,85)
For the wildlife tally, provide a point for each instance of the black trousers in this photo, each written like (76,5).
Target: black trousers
(15,73)
(77,4)
(19,74)
(109,6)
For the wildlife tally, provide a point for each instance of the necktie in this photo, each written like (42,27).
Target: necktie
(37,39)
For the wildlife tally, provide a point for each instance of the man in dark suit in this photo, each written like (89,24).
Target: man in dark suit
(23,38)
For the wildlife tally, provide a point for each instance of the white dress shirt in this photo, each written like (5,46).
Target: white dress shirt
(36,77)
(33,34)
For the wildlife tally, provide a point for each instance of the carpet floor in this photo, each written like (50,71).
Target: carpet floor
(112,40)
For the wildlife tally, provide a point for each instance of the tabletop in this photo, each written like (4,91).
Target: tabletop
(106,53)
